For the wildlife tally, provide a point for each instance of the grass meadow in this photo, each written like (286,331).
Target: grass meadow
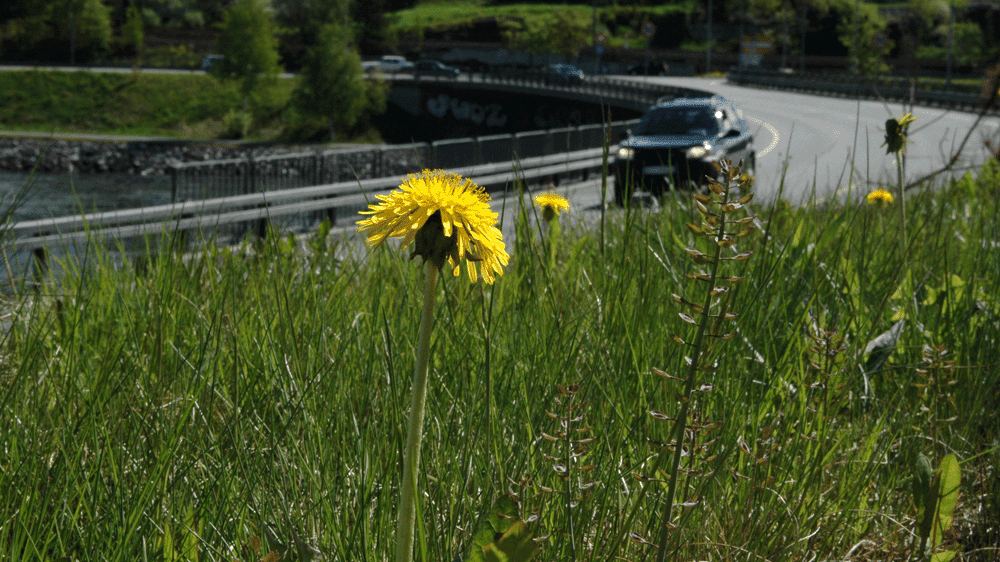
(187,106)
(251,403)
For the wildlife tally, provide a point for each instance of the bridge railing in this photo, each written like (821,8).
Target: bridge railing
(223,178)
(230,218)
(928,93)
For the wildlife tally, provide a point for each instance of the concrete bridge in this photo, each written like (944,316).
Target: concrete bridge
(424,108)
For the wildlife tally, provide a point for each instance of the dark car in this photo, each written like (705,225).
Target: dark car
(209,62)
(434,68)
(564,73)
(675,143)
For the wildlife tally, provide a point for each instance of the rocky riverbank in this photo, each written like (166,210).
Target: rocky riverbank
(133,157)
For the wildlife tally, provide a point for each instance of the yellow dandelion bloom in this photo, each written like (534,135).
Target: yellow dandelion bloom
(880,196)
(552,203)
(446,204)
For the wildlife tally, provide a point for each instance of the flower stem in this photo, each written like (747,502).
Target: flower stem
(411,456)
(553,242)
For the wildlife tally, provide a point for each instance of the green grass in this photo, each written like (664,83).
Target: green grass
(170,411)
(446,14)
(165,105)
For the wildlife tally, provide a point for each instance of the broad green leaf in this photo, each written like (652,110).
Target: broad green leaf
(949,481)
(945,556)
(516,545)
(492,526)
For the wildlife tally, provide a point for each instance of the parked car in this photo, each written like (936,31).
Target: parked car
(564,73)
(208,62)
(388,64)
(675,144)
(434,68)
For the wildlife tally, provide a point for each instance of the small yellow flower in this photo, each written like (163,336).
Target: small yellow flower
(552,203)
(447,215)
(880,196)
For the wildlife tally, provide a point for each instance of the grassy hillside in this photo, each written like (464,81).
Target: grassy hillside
(461,18)
(167,105)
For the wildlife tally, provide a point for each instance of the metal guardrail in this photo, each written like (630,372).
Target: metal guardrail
(236,196)
(960,97)
(237,215)
(223,178)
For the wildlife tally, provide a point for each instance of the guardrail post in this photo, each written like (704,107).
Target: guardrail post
(173,184)
(41,259)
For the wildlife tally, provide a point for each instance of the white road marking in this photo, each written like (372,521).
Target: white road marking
(774,134)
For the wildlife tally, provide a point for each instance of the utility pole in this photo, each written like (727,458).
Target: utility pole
(594,25)
(708,51)
(743,16)
(802,43)
(72,34)
(951,42)
(856,62)
(784,34)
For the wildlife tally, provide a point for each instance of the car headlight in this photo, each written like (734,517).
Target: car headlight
(699,151)
(625,153)
(696,152)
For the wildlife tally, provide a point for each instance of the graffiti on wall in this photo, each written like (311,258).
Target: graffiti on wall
(491,115)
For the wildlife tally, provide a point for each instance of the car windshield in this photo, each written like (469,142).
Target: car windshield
(679,121)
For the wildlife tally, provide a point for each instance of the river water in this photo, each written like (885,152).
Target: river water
(25,197)
(55,195)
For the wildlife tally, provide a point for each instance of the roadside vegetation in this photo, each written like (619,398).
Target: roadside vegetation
(168,105)
(236,402)
(183,106)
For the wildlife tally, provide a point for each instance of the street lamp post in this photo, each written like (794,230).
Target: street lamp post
(802,43)
(708,51)
(743,16)
(784,34)
(951,42)
(856,59)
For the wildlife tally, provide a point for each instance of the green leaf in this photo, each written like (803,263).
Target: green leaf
(945,556)
(927,506)
(920,485)
(881,347)
(501,517)
(516,545)
(949,481)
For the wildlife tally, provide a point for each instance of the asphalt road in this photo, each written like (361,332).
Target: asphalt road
(828,144)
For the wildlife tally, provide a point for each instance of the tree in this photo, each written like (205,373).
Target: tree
(333,92)
(188,14)
(568,33)
(248,46)
(132,29)
(860,22)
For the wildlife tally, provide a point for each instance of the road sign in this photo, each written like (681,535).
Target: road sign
(601,38)
(648,29)
(599,50)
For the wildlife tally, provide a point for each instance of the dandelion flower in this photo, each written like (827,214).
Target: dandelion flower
(449,218)
(880,197)
(551,204)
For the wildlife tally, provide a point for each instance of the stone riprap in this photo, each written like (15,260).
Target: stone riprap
(142,158)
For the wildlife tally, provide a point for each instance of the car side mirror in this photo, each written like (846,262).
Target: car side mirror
(731,134)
